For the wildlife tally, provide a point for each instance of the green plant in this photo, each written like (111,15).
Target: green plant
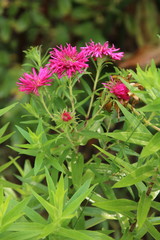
(66,192)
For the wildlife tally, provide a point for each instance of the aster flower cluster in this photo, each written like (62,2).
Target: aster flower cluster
(67,61)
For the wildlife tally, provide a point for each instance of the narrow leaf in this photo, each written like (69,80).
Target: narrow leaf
(38,162)
(3,129)
(152,147)
(134,122)
(118,161)
(6,109)
(49,208)
(73,234)
(135,176)
(118,205)
(152,230)
(131,137)
(143,209)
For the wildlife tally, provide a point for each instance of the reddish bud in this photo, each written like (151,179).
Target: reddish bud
(66,116)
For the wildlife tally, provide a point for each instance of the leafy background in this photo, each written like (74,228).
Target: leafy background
(132,26)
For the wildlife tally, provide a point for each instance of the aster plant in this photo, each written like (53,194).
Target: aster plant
(90,133)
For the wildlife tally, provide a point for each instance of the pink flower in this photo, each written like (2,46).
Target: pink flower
(118,89)
(30,83)
(66,116)
(99,51)
(66,61)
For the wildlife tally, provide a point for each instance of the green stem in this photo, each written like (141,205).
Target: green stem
(101,107)
(45,107)
(71,95)
(99,67)
(147,122)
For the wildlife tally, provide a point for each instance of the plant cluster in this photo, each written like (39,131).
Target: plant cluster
(91,132)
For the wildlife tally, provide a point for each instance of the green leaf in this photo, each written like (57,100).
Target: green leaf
(77,162)
(73,234)
(6,165)
(86,86)
(3,129)
(131,137)
(151,107)
(59,196)
(15,212)
(6,109)
(91,134)
(135,176)
(34,216)
(25,134)
(54,162)
(3,139)
(14,186)
(152,147)
(30,152)
(40,131)
(19,235)
(79,104)
(51,186)
(152,230)
(134,122)
(143,209)
(77,198)
(49,207)
(118,205)
(118,161)
(38,162)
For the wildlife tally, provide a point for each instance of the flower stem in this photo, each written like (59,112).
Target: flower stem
(99,67)
(71,95)
(45,107)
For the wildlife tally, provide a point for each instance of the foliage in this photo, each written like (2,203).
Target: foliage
(68,192)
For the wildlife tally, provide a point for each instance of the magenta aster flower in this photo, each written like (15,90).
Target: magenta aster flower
(66,61)
(118,89)
(66,116)
(98,50)
(30,83)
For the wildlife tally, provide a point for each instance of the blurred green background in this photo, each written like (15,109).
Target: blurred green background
(131,25)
